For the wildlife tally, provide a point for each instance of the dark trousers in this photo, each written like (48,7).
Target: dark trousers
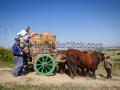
(108,70)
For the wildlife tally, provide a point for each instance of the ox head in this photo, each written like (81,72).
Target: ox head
(102,57)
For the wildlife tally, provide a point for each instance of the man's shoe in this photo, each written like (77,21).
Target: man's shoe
(21,75)
(15,75)
(110,77)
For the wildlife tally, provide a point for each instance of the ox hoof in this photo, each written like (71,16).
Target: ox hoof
(94,78)
(77,76)
(61,73)
(72,77)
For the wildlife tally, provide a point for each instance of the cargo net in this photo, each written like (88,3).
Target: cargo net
(42,44)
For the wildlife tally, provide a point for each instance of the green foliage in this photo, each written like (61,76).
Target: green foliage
(117,65)
(109,53)
(2,87)
(116,68)
(6,55)
(115,57)
(114,49)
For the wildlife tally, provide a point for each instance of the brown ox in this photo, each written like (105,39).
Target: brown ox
(83,60)
(62,64)
(61,55)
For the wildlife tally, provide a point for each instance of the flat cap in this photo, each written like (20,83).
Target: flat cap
(17,39)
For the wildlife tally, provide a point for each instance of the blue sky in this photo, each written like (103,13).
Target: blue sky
(86,21)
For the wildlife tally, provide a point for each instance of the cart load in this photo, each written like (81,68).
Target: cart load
(41,38)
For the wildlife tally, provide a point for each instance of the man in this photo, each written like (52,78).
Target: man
(24,36)
(18,57)
(108,64)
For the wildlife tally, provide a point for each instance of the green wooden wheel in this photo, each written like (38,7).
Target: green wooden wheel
(44,64)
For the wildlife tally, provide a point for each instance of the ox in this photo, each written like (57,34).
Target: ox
(83,60)
(62,64)
(61,55)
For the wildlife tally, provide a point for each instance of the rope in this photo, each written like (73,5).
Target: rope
(7,29)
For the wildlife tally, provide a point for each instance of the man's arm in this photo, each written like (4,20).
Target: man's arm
(14,50)
(21,33)
(111,63)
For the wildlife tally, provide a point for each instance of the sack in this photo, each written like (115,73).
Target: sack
(39,39)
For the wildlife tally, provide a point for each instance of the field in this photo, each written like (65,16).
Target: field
(32,81)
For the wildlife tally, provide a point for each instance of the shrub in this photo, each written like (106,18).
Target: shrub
(6,54)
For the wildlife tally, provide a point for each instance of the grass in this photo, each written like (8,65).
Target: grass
(115,57)
(6,64)
(41,87)
(13,86)
(109,53)
(54,87)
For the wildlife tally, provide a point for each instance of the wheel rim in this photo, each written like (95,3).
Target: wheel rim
(44,64)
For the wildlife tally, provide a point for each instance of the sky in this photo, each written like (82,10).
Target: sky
(86,21)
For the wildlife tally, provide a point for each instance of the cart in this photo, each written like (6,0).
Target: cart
(42,55)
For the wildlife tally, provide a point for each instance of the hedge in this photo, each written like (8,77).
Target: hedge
(6,55)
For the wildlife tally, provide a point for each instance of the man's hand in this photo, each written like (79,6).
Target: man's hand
(21,53)
(25,48)
(113,65)
(20,35)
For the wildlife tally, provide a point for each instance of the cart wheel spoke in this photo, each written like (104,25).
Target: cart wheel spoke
(43,59)
(40,61)
(49,68)
(49,64)
(45,70)
(40,68)
(38,64)
(46,58)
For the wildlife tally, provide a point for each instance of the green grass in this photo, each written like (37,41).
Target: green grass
(109,53)
(115,57)
(54,87)
(7,64)
(41,87)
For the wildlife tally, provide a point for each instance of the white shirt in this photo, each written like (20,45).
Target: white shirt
(25,34)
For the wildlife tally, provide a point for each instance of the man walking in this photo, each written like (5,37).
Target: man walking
(18,57)
(108,64)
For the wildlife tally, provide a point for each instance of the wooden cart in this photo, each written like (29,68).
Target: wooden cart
(42,54)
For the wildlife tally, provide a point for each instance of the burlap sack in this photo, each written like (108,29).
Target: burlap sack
(39,39)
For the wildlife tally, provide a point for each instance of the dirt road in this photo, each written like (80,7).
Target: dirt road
(33,79)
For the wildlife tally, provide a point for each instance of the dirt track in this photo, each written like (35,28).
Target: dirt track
(33,79)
